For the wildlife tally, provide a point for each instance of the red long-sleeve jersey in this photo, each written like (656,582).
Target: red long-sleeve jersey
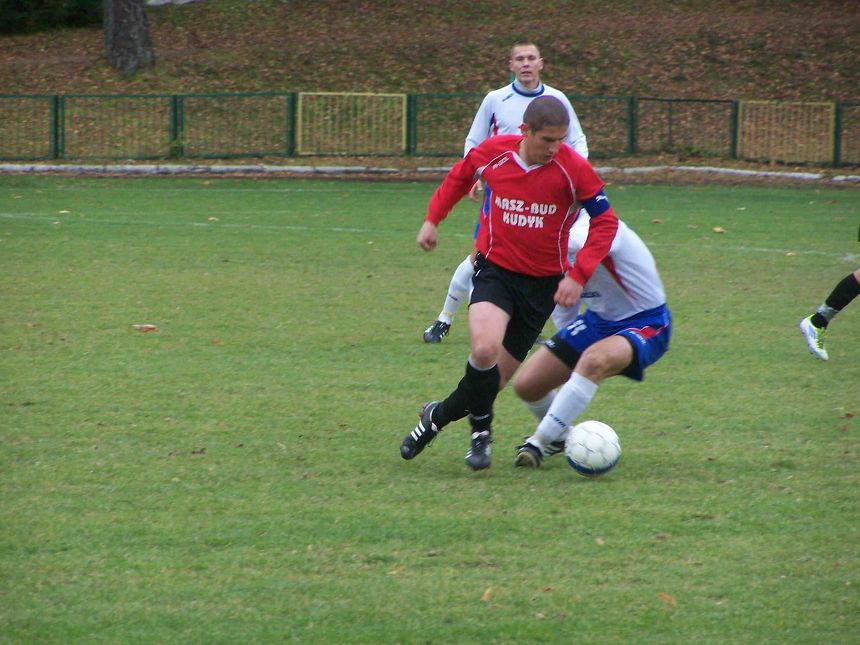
(531,208)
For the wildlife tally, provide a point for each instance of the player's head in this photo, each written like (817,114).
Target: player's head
(545,111)
(526,64)
(545,124)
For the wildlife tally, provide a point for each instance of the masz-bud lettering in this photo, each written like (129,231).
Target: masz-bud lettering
(519,206)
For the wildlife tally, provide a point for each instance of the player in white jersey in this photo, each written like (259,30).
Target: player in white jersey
(624,328)
(501,112)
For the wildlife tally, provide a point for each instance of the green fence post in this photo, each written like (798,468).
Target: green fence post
(733,130)
(411,124)
(55,128)
(177,123)
(837,134)
(632,124)
(290,124)
(61,127)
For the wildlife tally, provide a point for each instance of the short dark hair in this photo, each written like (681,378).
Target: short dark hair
(545,111)
(525,43)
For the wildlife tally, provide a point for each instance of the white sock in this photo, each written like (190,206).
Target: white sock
(570,401)
(540,407)
(458,290)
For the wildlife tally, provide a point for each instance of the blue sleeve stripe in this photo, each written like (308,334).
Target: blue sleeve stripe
(596,205)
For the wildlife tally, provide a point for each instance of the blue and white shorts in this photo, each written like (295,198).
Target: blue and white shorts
(648,332)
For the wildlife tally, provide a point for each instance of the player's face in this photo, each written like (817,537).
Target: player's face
(540,146)
(526,65)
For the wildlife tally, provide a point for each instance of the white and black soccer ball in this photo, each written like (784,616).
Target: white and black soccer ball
(592,448)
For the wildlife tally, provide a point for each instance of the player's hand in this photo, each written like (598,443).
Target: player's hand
(568,292)
(476,190)
(427,236)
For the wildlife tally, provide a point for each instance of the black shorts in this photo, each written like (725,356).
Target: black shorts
(528,300)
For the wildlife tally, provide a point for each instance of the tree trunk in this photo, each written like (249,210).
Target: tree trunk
(127,42)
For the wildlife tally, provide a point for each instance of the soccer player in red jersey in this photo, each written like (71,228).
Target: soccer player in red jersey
(522,270)
(501,112)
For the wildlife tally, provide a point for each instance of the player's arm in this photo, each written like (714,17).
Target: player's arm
(602,226)
(482,126)
(456,184)
(476,190)
(453,188)
(601,232)
(481,130)
(575,135)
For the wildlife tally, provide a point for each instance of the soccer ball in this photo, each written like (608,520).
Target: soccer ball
(592,448)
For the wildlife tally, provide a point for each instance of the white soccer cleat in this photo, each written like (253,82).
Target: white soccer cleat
(814,338)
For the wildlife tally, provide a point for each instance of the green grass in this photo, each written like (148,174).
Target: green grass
(235,476)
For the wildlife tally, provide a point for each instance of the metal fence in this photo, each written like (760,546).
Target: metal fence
(289,124)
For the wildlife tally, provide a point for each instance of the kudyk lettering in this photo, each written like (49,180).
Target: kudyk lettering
(521,220)
(518,212)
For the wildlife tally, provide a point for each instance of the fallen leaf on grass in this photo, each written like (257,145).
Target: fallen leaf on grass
(146,327)
(718,229)
(486,595)
(669,600)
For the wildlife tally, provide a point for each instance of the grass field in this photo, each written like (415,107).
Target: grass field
(234,477)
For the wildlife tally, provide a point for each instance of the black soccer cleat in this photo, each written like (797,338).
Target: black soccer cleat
(436,332)
(554,448)
(528,456)
(479,455)
(422,435)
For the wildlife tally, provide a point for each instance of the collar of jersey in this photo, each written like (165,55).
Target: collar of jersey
(519,89)
(522,164)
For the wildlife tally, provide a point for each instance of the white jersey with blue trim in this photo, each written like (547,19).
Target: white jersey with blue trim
(501,112)
(626,282)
